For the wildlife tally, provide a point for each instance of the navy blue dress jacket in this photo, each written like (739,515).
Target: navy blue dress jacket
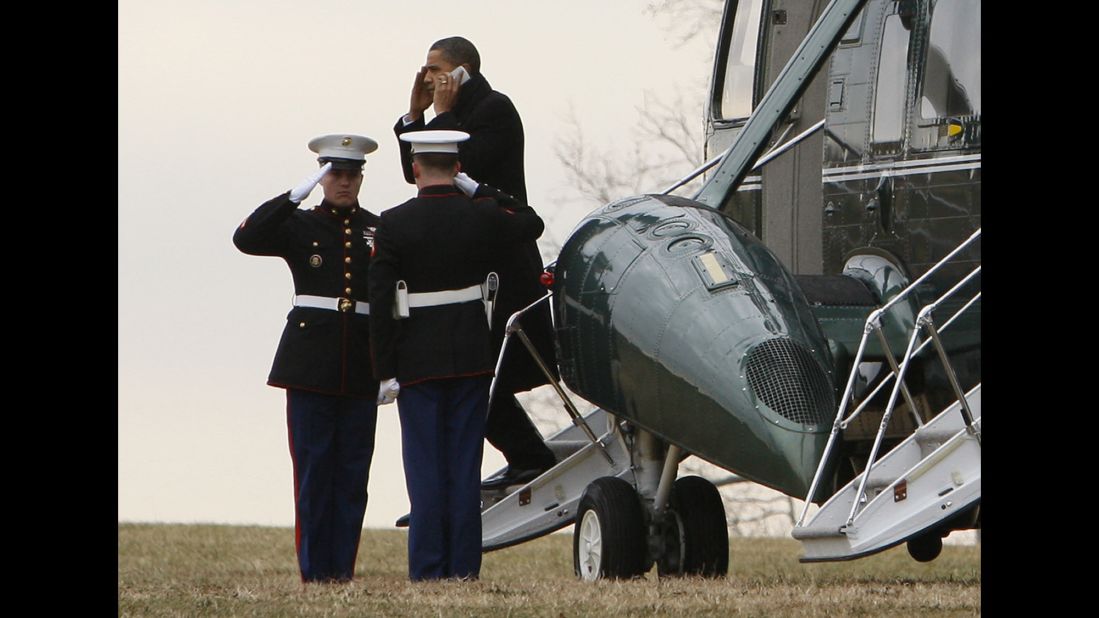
(328,251)
(440,240)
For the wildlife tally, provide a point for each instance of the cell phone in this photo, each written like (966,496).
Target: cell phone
(460,74)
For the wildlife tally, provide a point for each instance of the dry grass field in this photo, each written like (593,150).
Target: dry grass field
(208,570)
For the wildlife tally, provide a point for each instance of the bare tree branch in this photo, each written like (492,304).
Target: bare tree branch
(666,145)
(687,19)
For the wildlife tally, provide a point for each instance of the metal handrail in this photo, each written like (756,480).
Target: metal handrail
(763,160)
(885,381)
(515,327)
(874,325)
(922,320)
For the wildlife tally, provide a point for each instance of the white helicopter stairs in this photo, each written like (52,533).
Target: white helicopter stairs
(929,483)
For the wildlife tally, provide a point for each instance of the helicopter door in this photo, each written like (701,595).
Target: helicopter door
(865,138)
(792,217)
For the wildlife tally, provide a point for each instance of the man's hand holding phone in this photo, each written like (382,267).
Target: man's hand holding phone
(446,89)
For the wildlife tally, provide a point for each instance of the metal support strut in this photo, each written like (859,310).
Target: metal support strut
(667,478)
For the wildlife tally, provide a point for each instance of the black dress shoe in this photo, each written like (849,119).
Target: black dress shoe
(512,476)
(402,521)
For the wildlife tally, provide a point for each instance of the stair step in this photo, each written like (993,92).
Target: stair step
(562,449)
(878,483)
(819,532)
(934,435)
(577,444)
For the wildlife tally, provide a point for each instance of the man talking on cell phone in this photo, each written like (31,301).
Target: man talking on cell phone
(451,82)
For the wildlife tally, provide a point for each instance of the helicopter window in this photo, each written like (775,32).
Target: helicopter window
(854,31)
(952,77)
(892,75)
(740,64)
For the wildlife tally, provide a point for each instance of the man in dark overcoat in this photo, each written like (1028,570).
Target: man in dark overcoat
(323,358)
(451,81)
(429,284)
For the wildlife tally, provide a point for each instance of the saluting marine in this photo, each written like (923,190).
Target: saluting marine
(323,358)
(432,288)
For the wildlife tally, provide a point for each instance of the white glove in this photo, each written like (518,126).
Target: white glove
(302,191)
(388,391)
(466,184)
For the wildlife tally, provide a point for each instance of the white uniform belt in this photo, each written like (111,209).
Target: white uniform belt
(445,297)
(334,304)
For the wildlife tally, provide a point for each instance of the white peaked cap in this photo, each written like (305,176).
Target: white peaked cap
(342,146)
(434,141)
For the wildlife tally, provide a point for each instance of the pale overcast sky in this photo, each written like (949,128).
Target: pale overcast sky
(217,100)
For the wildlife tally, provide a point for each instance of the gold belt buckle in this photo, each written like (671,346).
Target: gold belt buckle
(346,304)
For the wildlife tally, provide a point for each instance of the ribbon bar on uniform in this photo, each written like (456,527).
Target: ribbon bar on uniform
(332,304)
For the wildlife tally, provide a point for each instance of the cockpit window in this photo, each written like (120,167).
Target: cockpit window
(740,64)
(952,82)
(892,77)
(854,31)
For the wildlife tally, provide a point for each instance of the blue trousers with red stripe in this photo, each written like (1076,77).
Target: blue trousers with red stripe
(331,444)
(442,434)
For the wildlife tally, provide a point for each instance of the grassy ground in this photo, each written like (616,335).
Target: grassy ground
(205,570)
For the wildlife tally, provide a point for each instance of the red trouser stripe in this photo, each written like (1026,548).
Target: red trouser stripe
(294,464)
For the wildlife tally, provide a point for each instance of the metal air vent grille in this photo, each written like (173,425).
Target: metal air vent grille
(784,375)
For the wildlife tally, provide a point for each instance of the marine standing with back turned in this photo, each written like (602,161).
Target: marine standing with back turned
(431,287)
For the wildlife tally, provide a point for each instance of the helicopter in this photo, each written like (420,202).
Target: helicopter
(809,319)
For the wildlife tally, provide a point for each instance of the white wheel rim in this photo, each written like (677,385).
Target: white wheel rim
(590,546)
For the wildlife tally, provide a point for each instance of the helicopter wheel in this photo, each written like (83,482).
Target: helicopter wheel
(697,539)
(926,547)
(608,541)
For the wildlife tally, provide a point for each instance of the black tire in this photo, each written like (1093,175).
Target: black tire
(697,537)
(670,562)
(926,547)
(608,540)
